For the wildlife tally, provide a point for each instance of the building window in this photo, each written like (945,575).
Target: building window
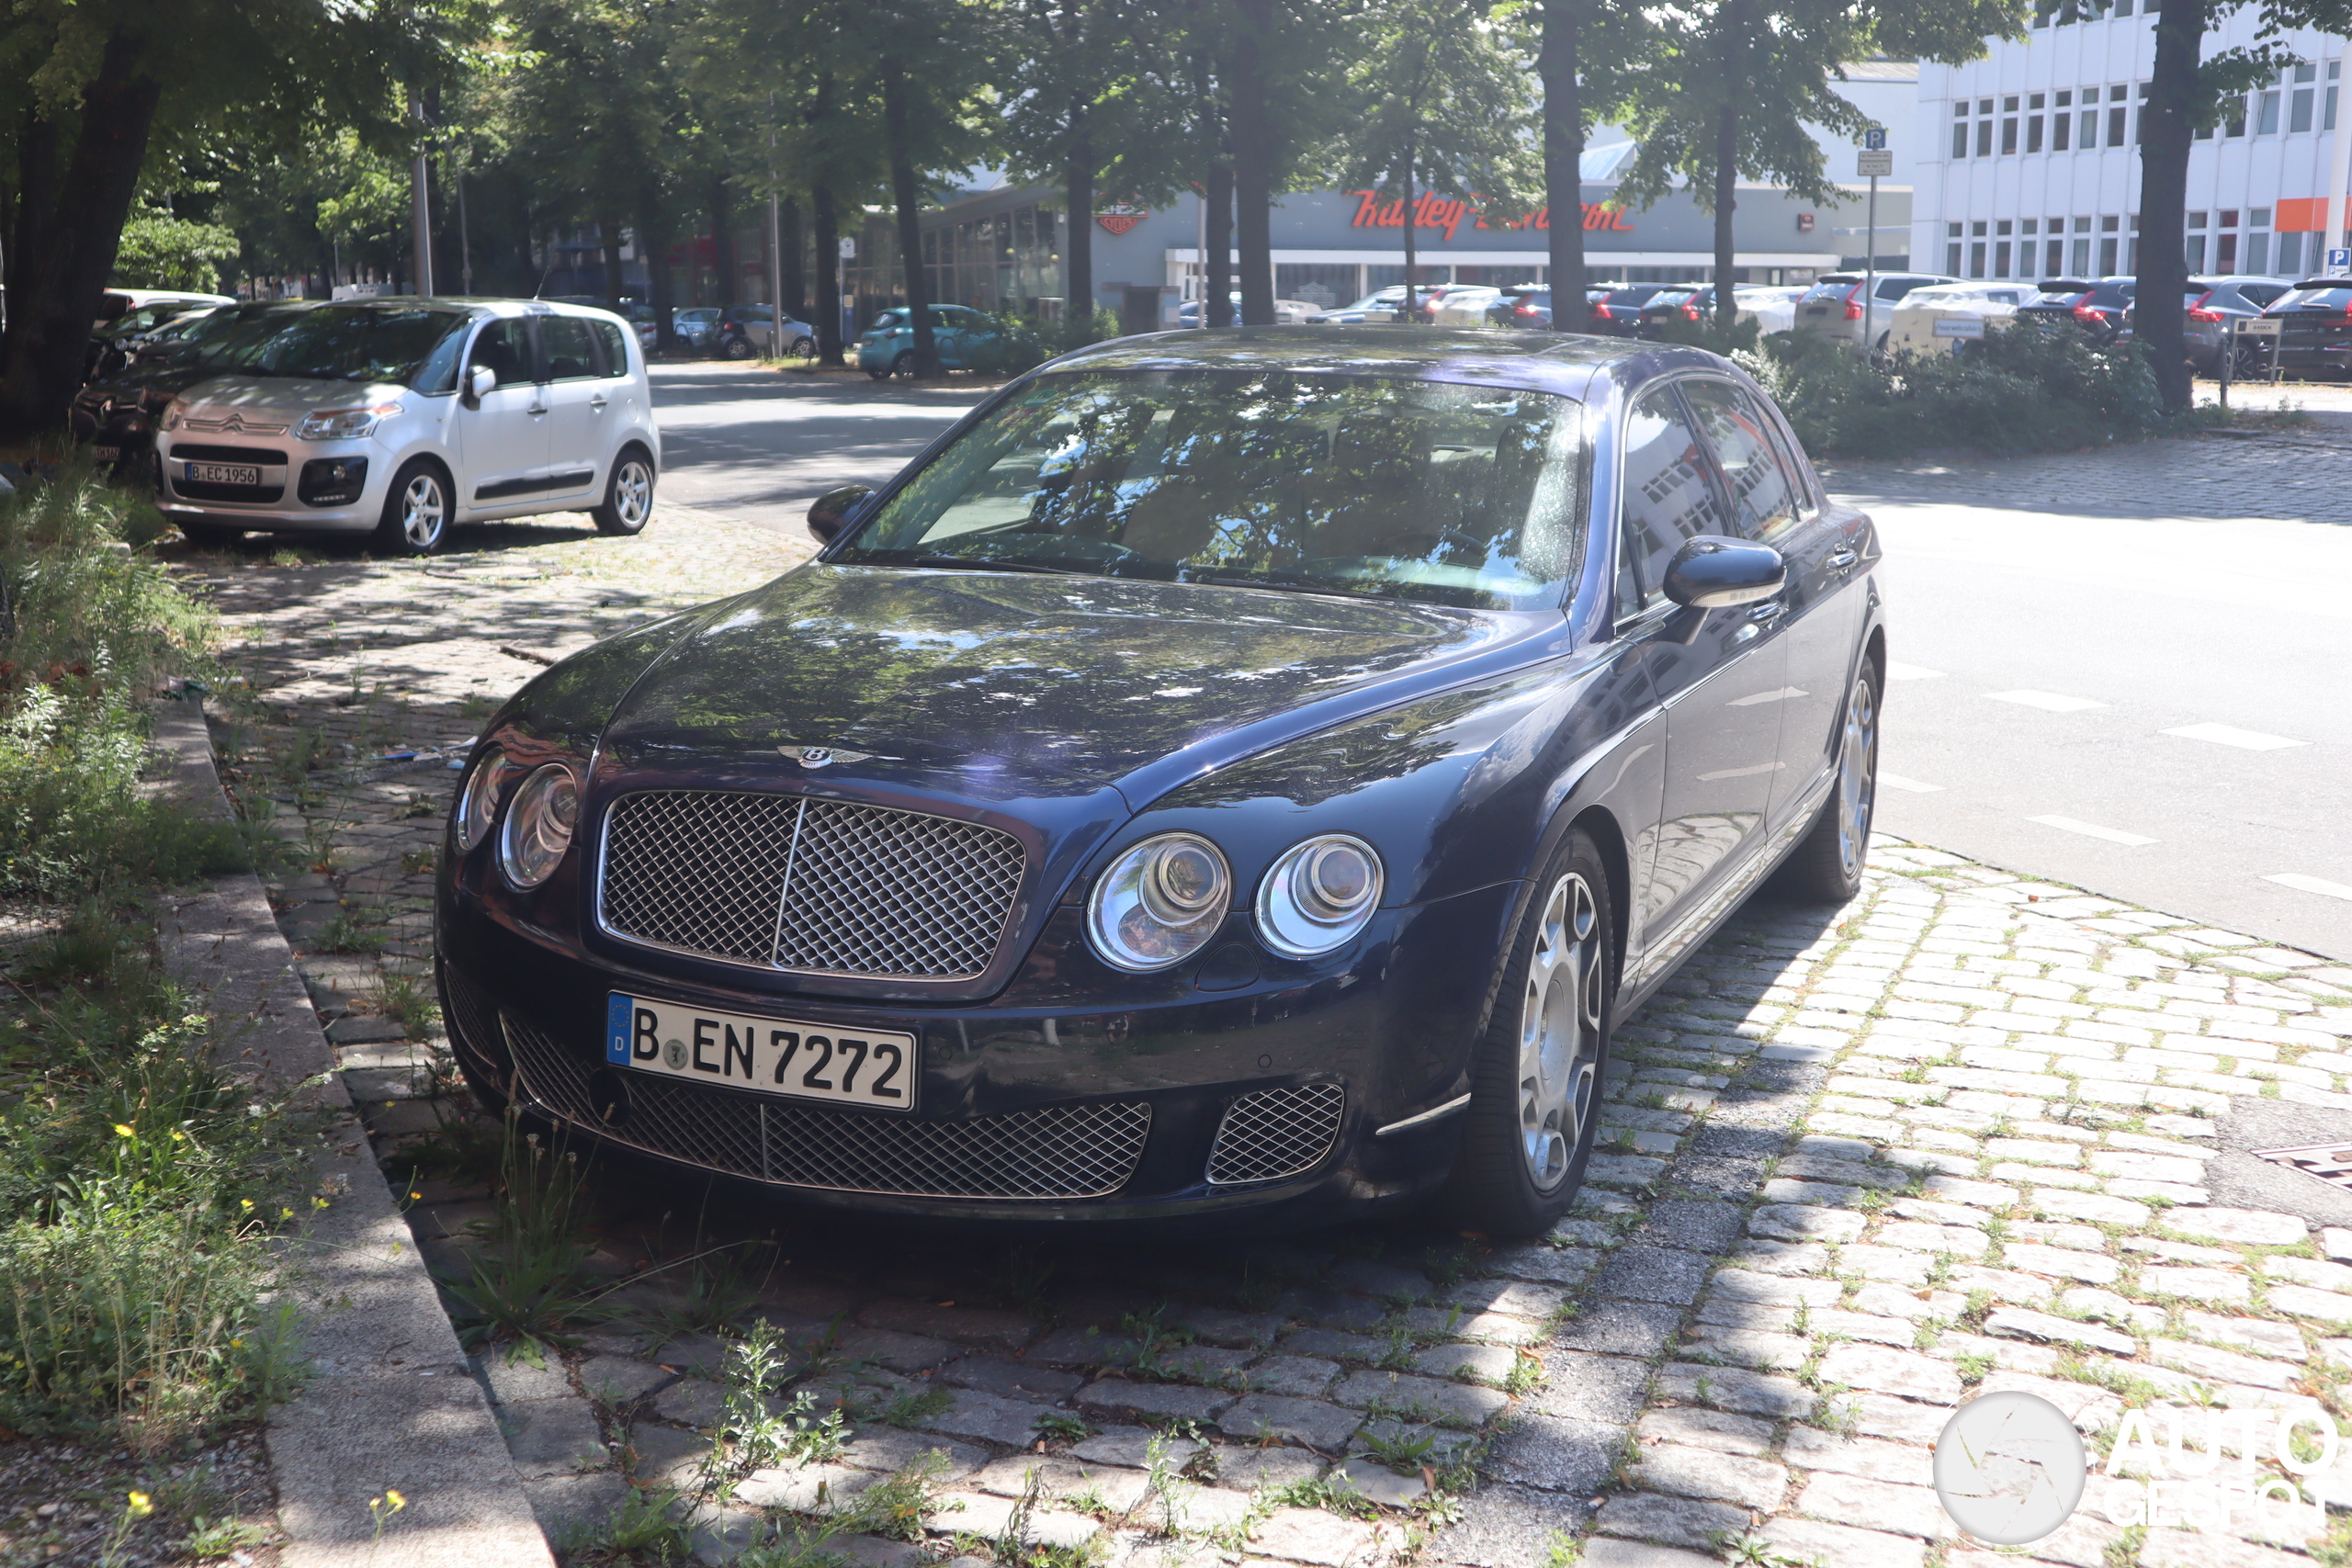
(1983,137)
(2229,218)
(2266,114)
(2001,259)
(1951,231)
(2009,136)
(2062,126)
(1976,259)
(2107,258)
(2196,253)
(2117,131)
(2082,257)
(2233,116)
(2033,134)
(1977,229)
(2327,116)
(2225,253)
(2091,119)
(2053,261)
(1951,258)
(2290,255)
(2027,226)
(2122,7)
(1960,131)
(2141,128)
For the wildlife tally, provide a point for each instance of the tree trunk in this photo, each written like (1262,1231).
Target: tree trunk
(54,294)
(653,243)
(1077,250)
(608,230)
(796,262)
(2167,130)
(1217,267)
(1562,165)
(1727,158)
(1253,159)
(829,273)
(1406,315)
(906,190)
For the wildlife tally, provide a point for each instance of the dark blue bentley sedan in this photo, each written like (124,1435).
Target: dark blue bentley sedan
(1238,775)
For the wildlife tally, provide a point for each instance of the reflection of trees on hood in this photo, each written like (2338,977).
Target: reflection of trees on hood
(1344,760)
(1074,674)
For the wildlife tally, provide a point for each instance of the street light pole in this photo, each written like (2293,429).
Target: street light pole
(420,203)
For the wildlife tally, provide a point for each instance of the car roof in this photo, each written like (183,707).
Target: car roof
(1566,364)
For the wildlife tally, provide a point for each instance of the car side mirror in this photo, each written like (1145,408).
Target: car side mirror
(831,511)
(480,381)
(1711,572)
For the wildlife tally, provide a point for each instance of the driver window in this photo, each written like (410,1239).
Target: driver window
(1764,500)
(565,342)
(1665,499)
(504,347)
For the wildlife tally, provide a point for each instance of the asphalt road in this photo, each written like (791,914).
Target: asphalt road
(2154,708)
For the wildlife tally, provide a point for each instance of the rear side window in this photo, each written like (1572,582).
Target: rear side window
(571,353)
(1764,495)
(615,344)
(1667,500)
(2261,294)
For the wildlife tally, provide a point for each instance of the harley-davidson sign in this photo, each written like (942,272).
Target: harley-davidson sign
(1432,211)
(1120,217)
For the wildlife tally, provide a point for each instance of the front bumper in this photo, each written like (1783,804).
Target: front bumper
(1038,1114)
(288,468)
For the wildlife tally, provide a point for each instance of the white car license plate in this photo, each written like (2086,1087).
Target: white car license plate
(875,1068)
(223,474)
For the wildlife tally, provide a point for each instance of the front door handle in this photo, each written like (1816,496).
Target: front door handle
(535,410)
(1764,614)
(1843,558)
(598,402)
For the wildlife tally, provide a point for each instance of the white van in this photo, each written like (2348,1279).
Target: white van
(401,416)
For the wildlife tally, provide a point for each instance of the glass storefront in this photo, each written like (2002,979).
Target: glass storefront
(1009,261)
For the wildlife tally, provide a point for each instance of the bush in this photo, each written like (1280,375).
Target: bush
(2024,387)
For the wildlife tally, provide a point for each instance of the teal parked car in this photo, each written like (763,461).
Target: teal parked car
(966,340)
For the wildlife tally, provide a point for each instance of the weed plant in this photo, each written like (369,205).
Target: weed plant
(529,1278)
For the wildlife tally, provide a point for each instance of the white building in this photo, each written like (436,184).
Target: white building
(2027,166)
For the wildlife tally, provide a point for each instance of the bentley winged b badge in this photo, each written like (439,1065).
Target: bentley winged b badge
(823,756)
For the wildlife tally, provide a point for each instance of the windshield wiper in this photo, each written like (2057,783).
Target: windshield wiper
(1243,580)
(968,563)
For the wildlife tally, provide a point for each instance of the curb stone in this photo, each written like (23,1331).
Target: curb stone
(388,1403)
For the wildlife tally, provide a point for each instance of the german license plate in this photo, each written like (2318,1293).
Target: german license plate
(223,474)
(106,454)
(875,1068)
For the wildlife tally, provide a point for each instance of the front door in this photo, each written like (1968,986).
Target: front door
(1773,505)
(576,401)
(1719,673)
(502,440)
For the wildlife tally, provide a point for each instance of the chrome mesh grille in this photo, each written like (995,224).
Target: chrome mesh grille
(1060,1151)
(1277,1133)
(807,885)
(472,1017)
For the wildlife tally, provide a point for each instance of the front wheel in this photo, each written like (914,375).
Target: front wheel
(417,510)
(1828,866)
(1536,1079)
(804,348)
(903,366)
(628,496)
(736,348)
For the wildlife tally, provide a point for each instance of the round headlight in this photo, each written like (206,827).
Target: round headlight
(478,802)
(1159,902)
(538,826)
(1318,895)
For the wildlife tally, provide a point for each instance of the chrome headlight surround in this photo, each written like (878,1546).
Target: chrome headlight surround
(343,425)
(477,809)
(1159,903)
(1318,894)
(536,833)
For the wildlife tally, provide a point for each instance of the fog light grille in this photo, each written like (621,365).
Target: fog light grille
(1277,1133)
(1057,1151)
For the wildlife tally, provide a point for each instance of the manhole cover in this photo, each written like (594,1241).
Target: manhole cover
(2329,1162)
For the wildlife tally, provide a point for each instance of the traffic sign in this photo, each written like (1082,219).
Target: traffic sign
(2339,262)
(848,248)
(1877,164)
(1874,138)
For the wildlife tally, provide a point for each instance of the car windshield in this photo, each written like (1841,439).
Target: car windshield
(342,342)
(2316,297)
(1407,489)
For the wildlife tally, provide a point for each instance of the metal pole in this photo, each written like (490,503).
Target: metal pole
(775,248)
(420,214)
(1870,268)
(465,238)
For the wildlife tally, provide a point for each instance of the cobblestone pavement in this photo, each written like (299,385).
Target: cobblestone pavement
(1971,1134)
(2298,474)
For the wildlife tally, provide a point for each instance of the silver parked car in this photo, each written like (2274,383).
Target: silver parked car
(401,416)
(1834,305)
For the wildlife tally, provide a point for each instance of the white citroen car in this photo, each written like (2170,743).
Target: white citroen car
(401,416)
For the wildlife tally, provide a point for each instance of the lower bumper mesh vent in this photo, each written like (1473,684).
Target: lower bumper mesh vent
(1277,1133)
(473,1019)
(1060,1151)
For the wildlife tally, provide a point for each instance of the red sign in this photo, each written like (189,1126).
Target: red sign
(1120,217)
(1430,211)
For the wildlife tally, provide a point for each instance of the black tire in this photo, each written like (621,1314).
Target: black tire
(804,348)
(736,348)
(417,509)
(209,535)
(903,366)
(1536,1078)
(1826,865)
(627,505)
(878,375)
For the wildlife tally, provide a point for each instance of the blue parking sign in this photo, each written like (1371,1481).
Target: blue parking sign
(1874,138)
(2339,262)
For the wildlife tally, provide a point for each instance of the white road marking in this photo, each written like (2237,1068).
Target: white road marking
(2049,702)
(2091,830)
(2303,884)
(2246,739)
(1896,781)
(1896,671)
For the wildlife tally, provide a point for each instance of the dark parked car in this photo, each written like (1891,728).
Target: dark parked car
(2209,306)
(117,413)
(1235,776)
(2314,329)
(2099,307)
(1618,313)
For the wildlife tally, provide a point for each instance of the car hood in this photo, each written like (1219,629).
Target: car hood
(279,398)
(1009,684)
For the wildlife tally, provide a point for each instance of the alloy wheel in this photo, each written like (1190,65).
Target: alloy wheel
(424,513)
(633,493)
(1559,1031)
(1857,778)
